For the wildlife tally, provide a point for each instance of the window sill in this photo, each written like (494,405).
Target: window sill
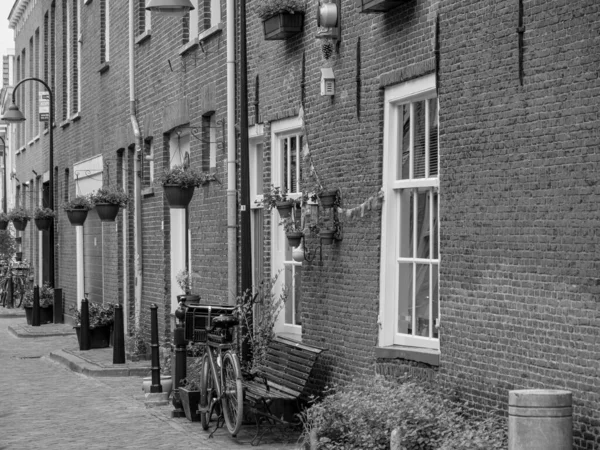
(424,355)
(64,124)
(76,117)
(290,336)
(148,192)
(22,149)
(143,37)
(189,46)
(218,28)
(104,67)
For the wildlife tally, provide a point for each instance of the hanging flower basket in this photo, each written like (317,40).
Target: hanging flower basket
(326,235)
(283,26)
(43,224)
(178,197)
(3,224)
(285,208)
(77,216)
(294,238)
(107,211)
(20,224)
(327,198)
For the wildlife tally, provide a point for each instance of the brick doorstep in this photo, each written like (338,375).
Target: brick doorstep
(98,363)
(23,330)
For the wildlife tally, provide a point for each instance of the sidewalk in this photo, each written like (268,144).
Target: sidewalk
(56,345)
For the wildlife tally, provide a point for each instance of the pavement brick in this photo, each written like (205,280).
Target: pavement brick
(44,404)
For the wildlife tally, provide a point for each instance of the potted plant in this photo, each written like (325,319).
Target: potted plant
(184,280)
(189,390)
(19,217)
(179,183)
(46,304)
(293,232)
(43,218)
(281,18)
(102,318)
(4,221)
(278,198)
(77,209)
(326,235)
(108,200)
(328,197)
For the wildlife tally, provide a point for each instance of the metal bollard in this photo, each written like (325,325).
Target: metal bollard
(155,386)
(58,306)
(84,338)
(35,315)
(118,337)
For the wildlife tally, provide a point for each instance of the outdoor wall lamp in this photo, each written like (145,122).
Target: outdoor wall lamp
(327,81)
(175,8)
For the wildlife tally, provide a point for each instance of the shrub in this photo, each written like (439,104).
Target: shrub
(184,177)
(112,195)
(19,214)
(100,315)
(8,247)
(4,217)
(46,296)
(79,202)
(43,213)
(363,417)
(194,369)
(269,8)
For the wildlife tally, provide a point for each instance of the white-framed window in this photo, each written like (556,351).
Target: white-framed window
(215,12)
(286,147)
(104,31)
(409,297)
(256,162)
(193,22)
(147,26)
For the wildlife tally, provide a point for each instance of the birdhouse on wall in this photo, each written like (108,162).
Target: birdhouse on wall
(327,81)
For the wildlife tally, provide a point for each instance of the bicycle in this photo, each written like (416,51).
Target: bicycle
(22,281)
(221,378)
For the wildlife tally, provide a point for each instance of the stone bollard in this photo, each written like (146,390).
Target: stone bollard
(540,419)
(396,440)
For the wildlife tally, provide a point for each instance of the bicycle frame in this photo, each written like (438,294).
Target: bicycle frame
(216,349)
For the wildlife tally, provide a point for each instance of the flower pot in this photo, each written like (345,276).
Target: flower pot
(77,216)
(165,381)
(367,6)
(3,224)
(46,314)
(285,208)
(283,26)
(43,224)
(20,224)
(19,256)
(107,211)
(294,238)
(99,336)
(327,198)
(178,197)
(190,401)
(326,236)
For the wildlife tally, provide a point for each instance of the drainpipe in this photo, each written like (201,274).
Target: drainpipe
(231,154)
(137,188)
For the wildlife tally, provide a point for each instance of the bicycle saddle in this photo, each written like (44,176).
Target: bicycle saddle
(225,321)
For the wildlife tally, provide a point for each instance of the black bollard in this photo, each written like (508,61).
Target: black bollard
(118,337)
(58,306)
(11,292)
(35,314)
(156,386)
(84,338)
(180,360)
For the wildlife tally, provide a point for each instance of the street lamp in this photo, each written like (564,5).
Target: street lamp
(13,115)
(3,175)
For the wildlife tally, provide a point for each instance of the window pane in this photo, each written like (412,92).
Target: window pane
(423,211)
(435,301)
(293,163)
(298,295)
(405,280)
(405,220)
(419,139)
(422,303)
(433,137)
(435,231)
(285,165)
(403,160)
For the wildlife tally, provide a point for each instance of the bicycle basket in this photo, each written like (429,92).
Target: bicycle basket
(198,319)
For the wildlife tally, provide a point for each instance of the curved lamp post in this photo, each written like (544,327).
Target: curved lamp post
(13,115)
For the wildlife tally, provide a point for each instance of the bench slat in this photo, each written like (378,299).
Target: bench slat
(285,372)
(257,390)
(295,351)
(296,344)
(289,381)
(302,365)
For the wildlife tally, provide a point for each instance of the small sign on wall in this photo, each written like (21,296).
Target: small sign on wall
(44,102)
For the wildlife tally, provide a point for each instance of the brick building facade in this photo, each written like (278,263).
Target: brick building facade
(466,165)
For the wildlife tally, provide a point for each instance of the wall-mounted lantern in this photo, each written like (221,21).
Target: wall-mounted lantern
(327,81)
(329,20)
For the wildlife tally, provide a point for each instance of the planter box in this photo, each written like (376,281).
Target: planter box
(283,26)
(46,315)
(190,401)
(99,336)
(368,6)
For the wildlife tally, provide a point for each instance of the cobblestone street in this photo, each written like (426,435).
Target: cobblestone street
(44,405)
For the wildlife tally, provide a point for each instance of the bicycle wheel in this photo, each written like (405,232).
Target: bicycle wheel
(207,392)
(19,291)
(232,400)
(3,291)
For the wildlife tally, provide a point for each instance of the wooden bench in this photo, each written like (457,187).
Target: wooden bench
(276,394)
